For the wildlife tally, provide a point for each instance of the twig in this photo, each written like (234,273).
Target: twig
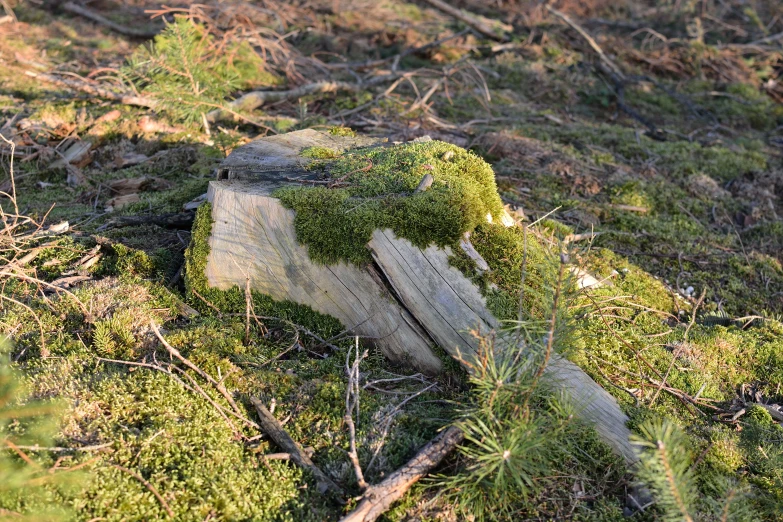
(94,90)
(96,447)
(358,66)
(88,13)
(195,389)
(149,486)
(175,353)
(390,418)
(253,100)
(593,44)
(29,279)
(472,21)
(351,404)
(552,327)
(44,350)
(377,499)
(274,429)
(676,352)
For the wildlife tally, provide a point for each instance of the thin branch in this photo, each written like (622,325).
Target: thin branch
(593,44)
(277,433)
(379,498)
(351,403)
(95,90)
(88,13)
(498,32)
(187,362)
(147,484)
(253,100)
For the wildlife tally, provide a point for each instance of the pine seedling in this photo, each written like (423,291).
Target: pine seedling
(513,430)
(23,476)
(188,73)
(665,466)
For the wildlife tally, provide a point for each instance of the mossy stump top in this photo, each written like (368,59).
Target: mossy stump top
(342,224)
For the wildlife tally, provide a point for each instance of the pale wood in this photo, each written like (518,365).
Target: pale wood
(253,237)
(449,307)
(379,498)
(408,298)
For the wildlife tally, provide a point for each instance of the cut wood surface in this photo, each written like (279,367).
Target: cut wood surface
(253,236)
(406,299)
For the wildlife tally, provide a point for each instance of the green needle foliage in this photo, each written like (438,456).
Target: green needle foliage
(682,494)
(666,468)
(515,430)
(189,73)
(26,483)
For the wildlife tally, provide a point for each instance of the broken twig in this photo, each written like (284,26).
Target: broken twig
(274,429)
(379,498)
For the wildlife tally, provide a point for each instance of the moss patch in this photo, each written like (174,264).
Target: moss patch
(373,188)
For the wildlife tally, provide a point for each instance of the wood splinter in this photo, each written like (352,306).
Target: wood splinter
(425,183)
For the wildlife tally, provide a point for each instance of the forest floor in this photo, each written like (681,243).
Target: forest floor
(649,134)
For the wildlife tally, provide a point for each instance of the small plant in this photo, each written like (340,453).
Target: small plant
(189,73)
(23,477)
(513,428)
(113,337)
(666,466)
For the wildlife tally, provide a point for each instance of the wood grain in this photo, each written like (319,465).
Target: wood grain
(407,300)
(253,237)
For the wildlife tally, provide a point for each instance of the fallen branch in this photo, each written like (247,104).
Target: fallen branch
(95,90)
(147,484)
(277,433)
(253,100)
(379,498)
(593,44)
(498,32)
(187,362)
(351,404)
(88,13)
(369,64)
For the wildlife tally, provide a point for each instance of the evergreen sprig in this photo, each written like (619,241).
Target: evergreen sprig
(189,73)
(23,476)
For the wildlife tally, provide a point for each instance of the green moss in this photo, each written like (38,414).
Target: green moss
(320,153)
(375,190)
(233,299)
(724,453)
(342,131)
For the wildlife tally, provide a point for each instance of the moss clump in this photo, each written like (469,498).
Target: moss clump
(374,189)
(319,153)
(508,253)
(342,131)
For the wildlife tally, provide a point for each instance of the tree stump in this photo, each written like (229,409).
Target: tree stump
(407,300)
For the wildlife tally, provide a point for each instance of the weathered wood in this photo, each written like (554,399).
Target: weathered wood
(277,160)
(253,236)
(379,498)
(408,298)
(449,306)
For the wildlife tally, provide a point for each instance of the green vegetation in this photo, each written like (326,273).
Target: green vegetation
(32,484)
(373,189)
(666,187)
(188,73)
